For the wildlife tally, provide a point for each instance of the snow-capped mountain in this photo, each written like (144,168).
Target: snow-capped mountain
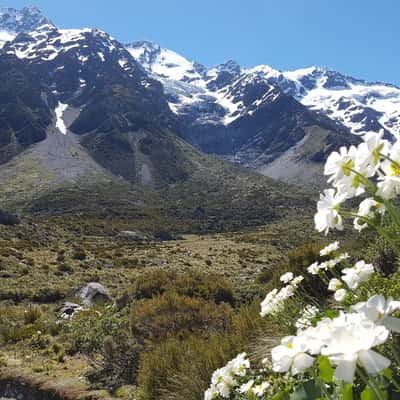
(84,83)
(357,104)
(132,104)
(14,21)
(241,114)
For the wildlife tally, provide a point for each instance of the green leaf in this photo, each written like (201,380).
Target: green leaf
(367,394)
(388,373)
(306,391)
(331,313)
(348,392)
(326,370)
(281,396)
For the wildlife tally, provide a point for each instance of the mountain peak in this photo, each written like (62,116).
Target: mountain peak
(230,66)
(25,20)
(164,63)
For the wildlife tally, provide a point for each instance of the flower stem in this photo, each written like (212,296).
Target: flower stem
(395,163)
(369,185)
(371,383)
(395,352)
(374,226)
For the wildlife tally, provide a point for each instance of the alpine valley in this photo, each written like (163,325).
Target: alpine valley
(77,104)
(148,203)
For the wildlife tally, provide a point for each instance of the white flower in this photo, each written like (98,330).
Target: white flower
(240,364)
(286,292)
(365,210)
(340,295)
(330,264)
(329,249)
(313,269)
(328,207)
(246,387)
(339,164)
(350,342)
(380,311)
(358,274)
(260,389)
(297,280)
(369,152)
(291,355)
(286,278)
(334,285)
(223,379)
(270,304)
(210,394)
(317,336)
(389,187)
(309,312)
(275,300)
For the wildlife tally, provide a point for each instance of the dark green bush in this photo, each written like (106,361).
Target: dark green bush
(118,363)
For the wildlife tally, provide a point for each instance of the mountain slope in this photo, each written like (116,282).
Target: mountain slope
(24,114)
(357,104)
(241,115)
(122,118)
(111,145)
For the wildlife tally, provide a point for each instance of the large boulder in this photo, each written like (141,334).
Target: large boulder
(7,218)
(135,236)
(93,292)
(68,310)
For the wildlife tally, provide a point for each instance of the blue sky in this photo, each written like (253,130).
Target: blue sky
(357,37)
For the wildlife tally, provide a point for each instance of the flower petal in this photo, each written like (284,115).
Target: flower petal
(301,362)
(373,362)
(392,323)
(345,370)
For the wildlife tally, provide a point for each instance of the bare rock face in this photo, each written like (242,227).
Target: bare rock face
(93,293)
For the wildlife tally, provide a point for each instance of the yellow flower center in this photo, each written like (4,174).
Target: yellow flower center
(394,170)
(347,166)
(376,154)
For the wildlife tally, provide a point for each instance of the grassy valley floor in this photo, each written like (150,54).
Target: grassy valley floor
(195,281)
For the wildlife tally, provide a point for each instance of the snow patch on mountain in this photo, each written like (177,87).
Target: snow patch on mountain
(6,37)
(359,105)
(163,62)
(46,43)
(13,22)
(59,111)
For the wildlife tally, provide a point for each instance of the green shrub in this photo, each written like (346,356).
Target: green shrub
(193,284)
(180,316)
(87,331)
(32,314)
(64,268)
(79,254)
(118,362)
(181,370)
(299,260)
